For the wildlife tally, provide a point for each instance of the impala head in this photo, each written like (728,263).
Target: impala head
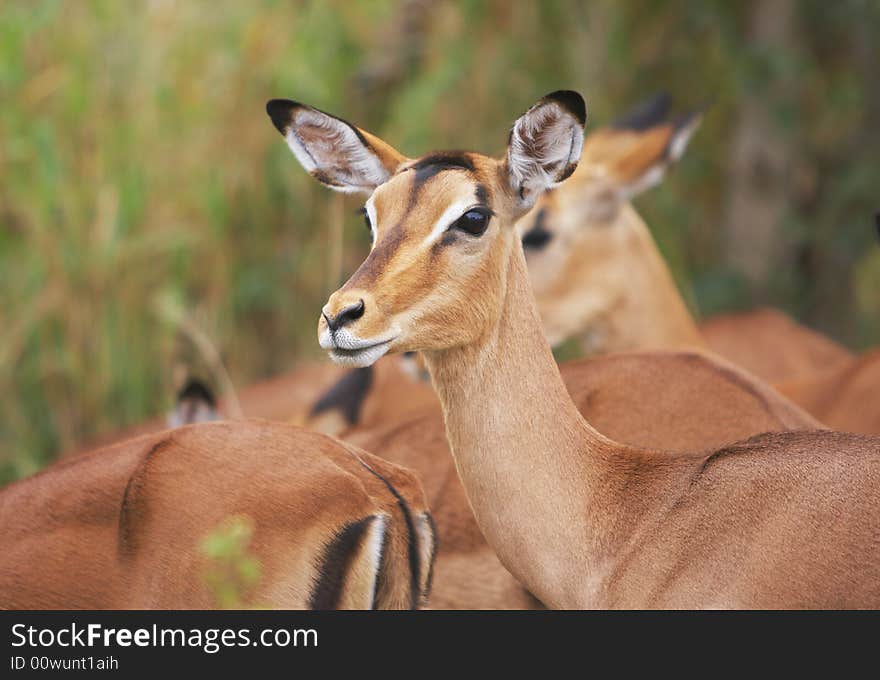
(442,224)
(581,240)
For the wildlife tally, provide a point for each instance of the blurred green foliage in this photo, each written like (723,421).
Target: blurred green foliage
(231,571)
(137,165)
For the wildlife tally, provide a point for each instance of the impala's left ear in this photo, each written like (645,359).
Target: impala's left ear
(332,150)
(545,145)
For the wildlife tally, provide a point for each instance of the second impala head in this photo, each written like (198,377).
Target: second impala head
(442,225)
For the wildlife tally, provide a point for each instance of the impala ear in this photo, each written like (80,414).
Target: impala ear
(333,151)
(545,145)
(195,404)
(636,150)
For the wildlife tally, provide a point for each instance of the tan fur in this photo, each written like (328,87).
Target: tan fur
(844,397)
(773,346)
(121,527)
(627,397)
(602,277)
(782,520)
(625,155)
(394,395)
(286,398)
(607,283)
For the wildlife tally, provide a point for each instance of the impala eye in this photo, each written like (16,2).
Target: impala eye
(538,236)
(474,221)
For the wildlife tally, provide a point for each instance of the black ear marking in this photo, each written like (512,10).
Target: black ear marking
(195,404)
(570,101)
(347,395)
(196,390)
(646,114)
(281,113)
(877,224)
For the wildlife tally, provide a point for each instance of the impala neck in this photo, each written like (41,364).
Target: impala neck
(531,466)
(653,314)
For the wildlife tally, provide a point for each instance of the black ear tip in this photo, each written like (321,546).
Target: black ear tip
(196,390)
(279,111)
(877,224)
(572,102)
(649,112)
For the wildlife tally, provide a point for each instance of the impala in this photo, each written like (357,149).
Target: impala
(781,520)
(696,402)
(598,275)
(120,528)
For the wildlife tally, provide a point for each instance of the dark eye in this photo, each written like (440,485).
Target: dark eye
(474,221)
(538,236)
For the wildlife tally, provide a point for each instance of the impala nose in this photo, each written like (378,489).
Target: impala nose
(344,317)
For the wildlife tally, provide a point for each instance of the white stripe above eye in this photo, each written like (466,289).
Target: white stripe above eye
(452,213)
(371,214)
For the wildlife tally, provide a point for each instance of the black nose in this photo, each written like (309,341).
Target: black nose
(347,315)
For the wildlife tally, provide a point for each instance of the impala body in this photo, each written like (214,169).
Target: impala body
(121,527)
(780,520)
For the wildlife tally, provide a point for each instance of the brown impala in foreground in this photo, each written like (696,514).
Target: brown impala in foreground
(119,528)
(781,520)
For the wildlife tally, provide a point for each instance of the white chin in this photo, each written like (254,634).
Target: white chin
(358,358)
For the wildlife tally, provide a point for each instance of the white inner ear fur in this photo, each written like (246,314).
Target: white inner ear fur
(647,180)
(682,137)
(452,213)
(331,147)
(544,142)
(371,214)
(655,174)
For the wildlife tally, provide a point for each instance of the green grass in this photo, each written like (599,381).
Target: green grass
(137,167)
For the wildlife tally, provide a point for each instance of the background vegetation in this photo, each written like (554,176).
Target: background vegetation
(140,178)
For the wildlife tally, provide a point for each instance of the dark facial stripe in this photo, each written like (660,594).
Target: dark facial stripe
(335,564)
(433,164)
(378,259)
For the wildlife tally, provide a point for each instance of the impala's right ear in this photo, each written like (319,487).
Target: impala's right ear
(333,151)
(545,145)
